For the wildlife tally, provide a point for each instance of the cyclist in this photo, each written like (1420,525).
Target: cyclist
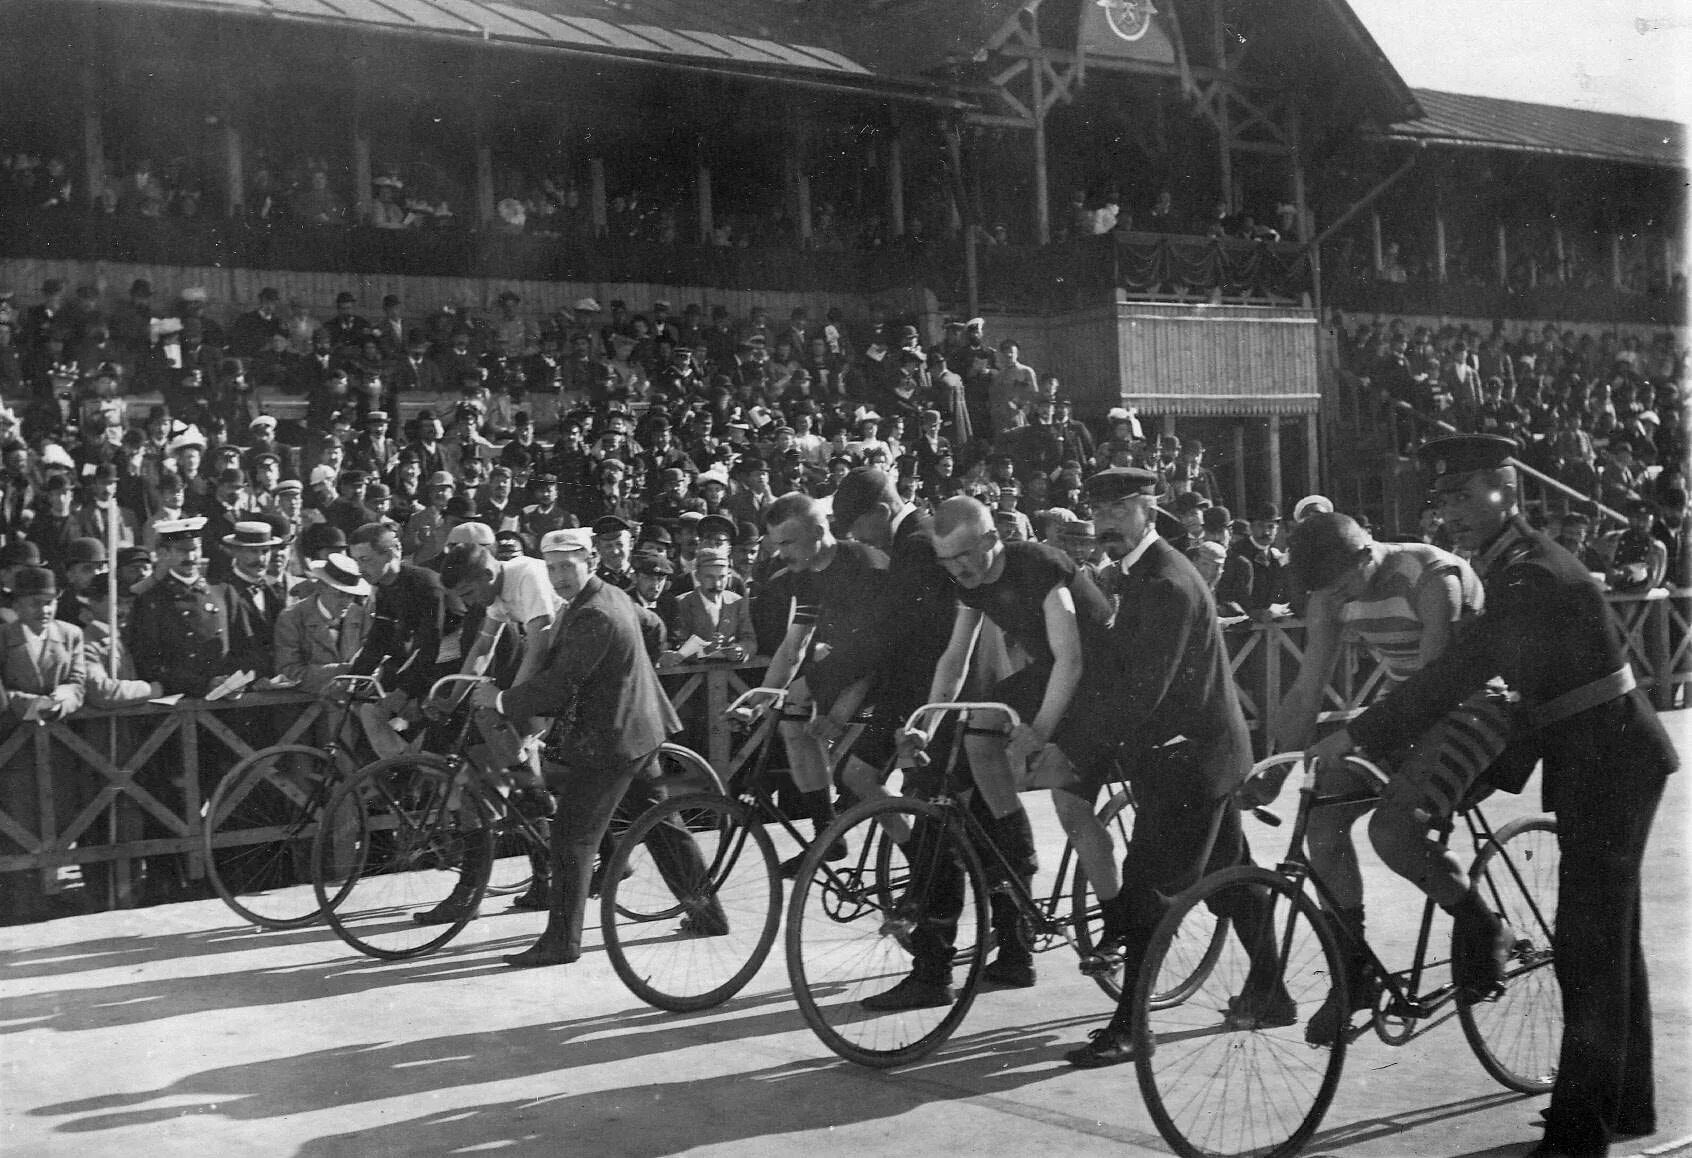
(1053,612)
(921,605)
(1404,602)
(838,593)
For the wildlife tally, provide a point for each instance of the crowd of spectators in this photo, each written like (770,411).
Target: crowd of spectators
(1605,415)
(1533,263)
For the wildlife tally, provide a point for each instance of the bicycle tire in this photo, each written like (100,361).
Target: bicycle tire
(653,932)
(851,926)
(1195,1057)
(682,770)
(1517,1036)
(402,836)
(257,837)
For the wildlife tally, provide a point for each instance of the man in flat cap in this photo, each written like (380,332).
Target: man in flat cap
(613,543)
(1172,719)
(1546,631)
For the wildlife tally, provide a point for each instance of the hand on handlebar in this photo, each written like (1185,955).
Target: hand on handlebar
(912,749)
(1330,749)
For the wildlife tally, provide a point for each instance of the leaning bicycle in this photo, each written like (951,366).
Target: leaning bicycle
(1243,1026)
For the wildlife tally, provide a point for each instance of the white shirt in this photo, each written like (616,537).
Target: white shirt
(525,593)
(1133,556)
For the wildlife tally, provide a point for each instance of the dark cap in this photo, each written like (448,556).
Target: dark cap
(652,563)
(1120,482)
(1323,547)
(1460,455)
(655,533)
(721,524)
(23,553)
(859,492)
(34,581)
(611,525)
(85,550)
(1264,513)
(128,556)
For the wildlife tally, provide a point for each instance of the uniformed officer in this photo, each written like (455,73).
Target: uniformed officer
(185,633)
(613,541)
(1546,630)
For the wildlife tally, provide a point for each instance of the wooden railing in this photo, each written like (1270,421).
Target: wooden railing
(1656,629)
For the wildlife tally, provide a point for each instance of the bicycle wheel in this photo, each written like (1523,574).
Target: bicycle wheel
(684,944)
(401,840)
(854,929)
(1517,1036)
(682,770)
(258,831)
(1227,1072)
(513,871)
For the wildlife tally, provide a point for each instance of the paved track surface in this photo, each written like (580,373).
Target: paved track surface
(179,1031)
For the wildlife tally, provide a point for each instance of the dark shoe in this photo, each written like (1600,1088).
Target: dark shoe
(790,866)
(448,912)
(1257,1011)
(1331,1020)
(1480,948)
(533,898)
(911,994)
(1009,973)
(1105,1047)
(1109,955)
(705,924)
(539,954)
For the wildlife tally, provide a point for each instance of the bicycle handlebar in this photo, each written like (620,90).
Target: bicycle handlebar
(457,678)
(942,709)
(749,703)
(355,682)
(1299,761)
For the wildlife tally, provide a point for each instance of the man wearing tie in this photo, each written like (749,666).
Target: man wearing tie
(712,612)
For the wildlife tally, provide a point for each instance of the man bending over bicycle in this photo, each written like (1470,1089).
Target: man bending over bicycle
(838,591)
(1403,601)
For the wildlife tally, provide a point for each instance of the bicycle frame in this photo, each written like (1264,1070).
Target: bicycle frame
(1401,989)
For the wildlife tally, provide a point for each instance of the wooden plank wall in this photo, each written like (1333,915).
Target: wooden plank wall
(1218,360)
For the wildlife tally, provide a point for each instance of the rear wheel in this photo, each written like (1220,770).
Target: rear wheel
(1226,1072)
(402,855)
(858,927)
(1517,1035)
(695,938)
(258,833)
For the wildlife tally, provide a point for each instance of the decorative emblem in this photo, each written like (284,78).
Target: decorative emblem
(1129,19)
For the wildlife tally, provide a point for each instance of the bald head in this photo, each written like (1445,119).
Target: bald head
(961,514)
(796,505)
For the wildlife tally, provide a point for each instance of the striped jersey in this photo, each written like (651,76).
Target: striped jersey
(1384,618)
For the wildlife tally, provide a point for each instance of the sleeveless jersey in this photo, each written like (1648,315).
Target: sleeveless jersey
(1384,618)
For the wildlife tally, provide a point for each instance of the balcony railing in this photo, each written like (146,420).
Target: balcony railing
(1548,303)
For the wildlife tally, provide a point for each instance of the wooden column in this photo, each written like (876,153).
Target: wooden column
(1166,424)
(896,185)
(93,137)
(1224,118)
(596,194)
(1237,453)
(485,200)
(1275,461)
(1312,456)
(1503,250)
(702,194)
(1042,200)
(1439,240)
(1301,202)
(1560,253)
(361,168)
(1376,249)
(234,175)
(1615,261)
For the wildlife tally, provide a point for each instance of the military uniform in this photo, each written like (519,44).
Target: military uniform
(1546,630)
(181,634)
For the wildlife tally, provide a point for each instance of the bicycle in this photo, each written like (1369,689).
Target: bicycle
(853,927)
(419,835)
(1194,1057)
(263,815)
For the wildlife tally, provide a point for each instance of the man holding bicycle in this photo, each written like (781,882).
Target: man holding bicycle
(610,716)
(1546,630)
(1404,602)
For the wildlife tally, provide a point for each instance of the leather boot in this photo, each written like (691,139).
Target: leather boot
(1012,966)
(560,943)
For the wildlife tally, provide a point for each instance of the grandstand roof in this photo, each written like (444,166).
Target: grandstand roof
(1456,119)
(761,37)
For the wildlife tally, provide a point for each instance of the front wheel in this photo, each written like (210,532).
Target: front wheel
(402,856)
(1517,1035)
(1227,1071)
(886,914)
(692,902)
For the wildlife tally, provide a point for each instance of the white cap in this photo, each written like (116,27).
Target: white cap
(1312,505)
(568,539)
(322,474)
(471,532)
(710,555)
(586,306)
(340,572)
